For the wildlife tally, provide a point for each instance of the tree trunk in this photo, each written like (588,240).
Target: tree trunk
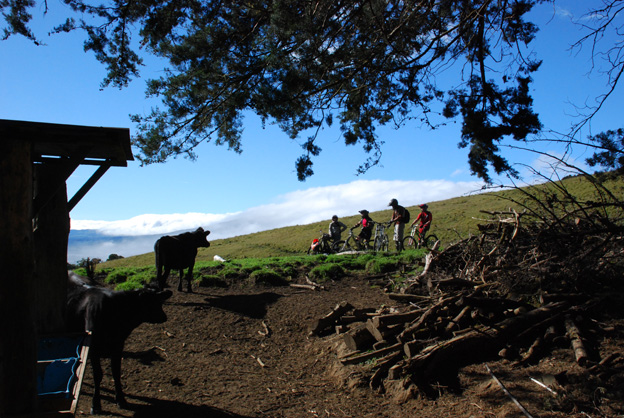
(18,349)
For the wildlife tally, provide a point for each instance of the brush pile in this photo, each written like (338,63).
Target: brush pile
(516,291)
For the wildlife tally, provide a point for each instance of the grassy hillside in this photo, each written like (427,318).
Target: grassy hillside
(453,219)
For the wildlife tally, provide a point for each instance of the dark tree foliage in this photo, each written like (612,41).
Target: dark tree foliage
(611,150)
(307,64)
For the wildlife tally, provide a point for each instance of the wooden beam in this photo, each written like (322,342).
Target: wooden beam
(87,186)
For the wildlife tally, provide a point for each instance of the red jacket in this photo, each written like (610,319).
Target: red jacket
(425,218)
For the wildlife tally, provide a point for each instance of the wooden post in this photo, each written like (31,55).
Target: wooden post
(51,234)
(18,349)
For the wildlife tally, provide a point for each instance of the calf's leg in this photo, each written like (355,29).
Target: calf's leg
(96,404)
(162,278)
(116,369)
(189,277)
(181,277)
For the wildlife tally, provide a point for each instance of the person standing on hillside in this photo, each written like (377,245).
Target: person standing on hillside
(399,219)
(367,228)
(336,228)
(424,217)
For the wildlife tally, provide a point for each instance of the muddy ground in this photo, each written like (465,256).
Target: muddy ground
(211,359)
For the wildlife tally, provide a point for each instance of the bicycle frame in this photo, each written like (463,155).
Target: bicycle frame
(351,243)
(416,240)
(381,241)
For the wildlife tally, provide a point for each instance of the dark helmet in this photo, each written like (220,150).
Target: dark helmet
(335,218)
(393,202)
(424,206)
(364,212)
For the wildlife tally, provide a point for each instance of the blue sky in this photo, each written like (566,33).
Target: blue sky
(234,194)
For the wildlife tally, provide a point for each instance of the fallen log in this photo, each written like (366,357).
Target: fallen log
(304,286)
(476,346)
(406,297)
(414,347)
(456,321)
(358,339)
(533,352)
(578,347)
(383,333)
(380,321)
(360,358)
(409,333)
(330,319)
(383,367)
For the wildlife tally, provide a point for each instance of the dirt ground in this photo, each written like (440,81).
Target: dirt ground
(211,359)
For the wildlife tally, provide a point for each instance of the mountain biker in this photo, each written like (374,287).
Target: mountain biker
(336,228)
(367,228)
(424,217)
(398,217)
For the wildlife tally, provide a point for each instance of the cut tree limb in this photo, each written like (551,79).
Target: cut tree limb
(475,346)
(330,319)
(577,342)
(358,338)
(360,358)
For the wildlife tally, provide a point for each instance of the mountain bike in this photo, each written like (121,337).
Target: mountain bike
(350,244)
(414,240)
(322,246)
(381,241)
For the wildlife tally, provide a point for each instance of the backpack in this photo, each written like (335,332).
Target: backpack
(406,215)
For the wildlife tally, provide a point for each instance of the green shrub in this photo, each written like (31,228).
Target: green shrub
(129,285)
(230,273)
(246,271)
(353,263)
(81,271)
(289,271)
(268,277)
(118,276)
(138,277)
(325,272)
(381,265)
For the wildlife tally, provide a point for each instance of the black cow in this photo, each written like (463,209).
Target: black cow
(111,316)
(178,252)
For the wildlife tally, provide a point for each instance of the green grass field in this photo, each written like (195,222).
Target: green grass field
(453,219)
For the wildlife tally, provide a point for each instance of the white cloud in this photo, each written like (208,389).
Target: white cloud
(296,208)
(150,224)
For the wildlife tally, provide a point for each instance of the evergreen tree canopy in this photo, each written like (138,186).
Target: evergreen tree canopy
(307,64)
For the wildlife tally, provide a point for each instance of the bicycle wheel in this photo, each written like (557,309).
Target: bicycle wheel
(410,243)
(379,244)
(430,241)
(341,246)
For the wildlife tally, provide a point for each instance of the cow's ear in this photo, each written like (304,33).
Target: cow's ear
(207,233)
(165,294)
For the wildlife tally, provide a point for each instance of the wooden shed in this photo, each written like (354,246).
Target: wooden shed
(36,159)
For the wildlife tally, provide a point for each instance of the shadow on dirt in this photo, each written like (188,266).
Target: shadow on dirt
(253,306)
(157,408)
(146,357)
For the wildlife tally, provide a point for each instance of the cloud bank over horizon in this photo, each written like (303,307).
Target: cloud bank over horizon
(137,235)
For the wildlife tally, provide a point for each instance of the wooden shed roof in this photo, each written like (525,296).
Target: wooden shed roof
(93,145)
(65,147)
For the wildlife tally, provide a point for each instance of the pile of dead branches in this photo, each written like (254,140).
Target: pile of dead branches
(517,253)
(429,341)
(516,291)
